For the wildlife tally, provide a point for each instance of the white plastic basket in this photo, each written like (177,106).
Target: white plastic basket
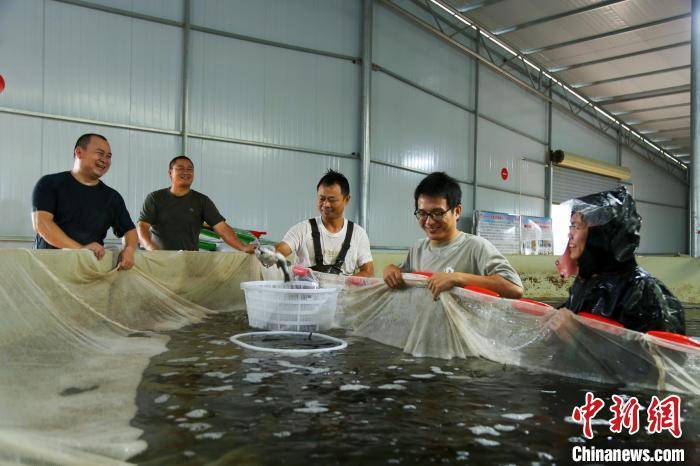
(297,306)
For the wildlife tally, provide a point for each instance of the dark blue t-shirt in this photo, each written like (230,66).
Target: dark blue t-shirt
(84,213)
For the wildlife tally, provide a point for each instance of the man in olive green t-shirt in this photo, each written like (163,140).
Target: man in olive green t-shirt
(171,218)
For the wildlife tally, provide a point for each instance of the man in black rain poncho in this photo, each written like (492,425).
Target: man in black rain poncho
(603,237)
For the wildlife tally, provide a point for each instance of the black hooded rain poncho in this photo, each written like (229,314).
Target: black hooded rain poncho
(609,281)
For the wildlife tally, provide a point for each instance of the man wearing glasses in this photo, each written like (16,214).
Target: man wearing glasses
(455,258)
(330,243)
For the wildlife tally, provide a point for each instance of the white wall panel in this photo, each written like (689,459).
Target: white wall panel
(391,220)
(514,204)
(268,189)
(148,158)
(87,63)
(651,183)
(255,92)
(571,135)
(500,148)
(508,103)
(330,25)
(168,9)
(664,229)
(421,57)
(156,75)
(20,169)
(21,53)
(415,130)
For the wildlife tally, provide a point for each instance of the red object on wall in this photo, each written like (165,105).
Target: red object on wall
(2,84)
(504,173)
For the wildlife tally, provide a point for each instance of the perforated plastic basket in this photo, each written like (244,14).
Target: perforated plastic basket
(297,306)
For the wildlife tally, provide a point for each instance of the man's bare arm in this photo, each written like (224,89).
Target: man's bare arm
(144,236)
(44,226)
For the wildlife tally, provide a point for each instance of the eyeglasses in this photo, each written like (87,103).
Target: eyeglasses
(436,215)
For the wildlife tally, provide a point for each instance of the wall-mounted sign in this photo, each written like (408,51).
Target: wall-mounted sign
(515,234)
(504,173)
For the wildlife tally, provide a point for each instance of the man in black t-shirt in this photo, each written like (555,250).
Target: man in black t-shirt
(171,218)
(74,209)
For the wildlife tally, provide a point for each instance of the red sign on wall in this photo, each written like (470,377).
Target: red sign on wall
(504,173)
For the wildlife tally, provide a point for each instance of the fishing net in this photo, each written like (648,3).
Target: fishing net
(76,336)
(465,323)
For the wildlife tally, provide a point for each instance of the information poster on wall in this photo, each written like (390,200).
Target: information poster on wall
(536,236)
(503,230)
(515,234)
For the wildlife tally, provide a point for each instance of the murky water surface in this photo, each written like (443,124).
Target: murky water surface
(207,401)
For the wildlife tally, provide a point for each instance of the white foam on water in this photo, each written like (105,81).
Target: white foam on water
(594,422)
(326,382)
(172,407)
(462,455)
(197,413)
(400,381)
(251,361)
(283,434)
(188,453)
(517,416)
(257,377)
(391,386)
(409,360)
(218,342)
(169,374)
(222,388)
(409,407)
(219,375)
(353,387)
(387,399)
(576,440)
(392,367)
(162,399)
(504,428)
(437,370)
(195,426)
(545,456)
(312,407)
(216,358)
(209,436)
(422,376)
(548,391)
(487,442)
(481,430)
(312,370)
(192,359)
(201,364)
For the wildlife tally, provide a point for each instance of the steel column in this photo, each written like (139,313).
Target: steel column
(475,151)
(184,116)
(548,169)
(694,191)
(365,152)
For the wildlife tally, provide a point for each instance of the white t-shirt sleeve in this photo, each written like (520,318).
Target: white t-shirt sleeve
(364,255)
(295,237)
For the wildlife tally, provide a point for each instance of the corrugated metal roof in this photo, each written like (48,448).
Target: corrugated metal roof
(631,57)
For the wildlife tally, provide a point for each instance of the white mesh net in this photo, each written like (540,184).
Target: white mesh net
(76,336)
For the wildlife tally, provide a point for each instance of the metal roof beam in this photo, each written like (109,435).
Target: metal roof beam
(606,34)
(598,61)
(546,19)
(629,76)
(665,131)
(651,109)
(616,99)
(657,120)
(475,5)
